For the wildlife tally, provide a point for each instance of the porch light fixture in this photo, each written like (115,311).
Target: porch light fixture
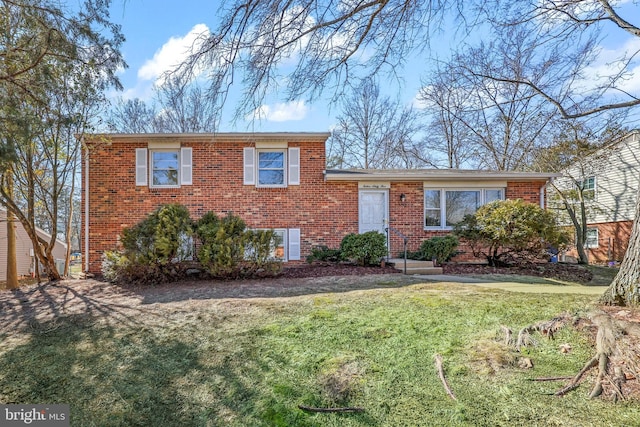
(403,197)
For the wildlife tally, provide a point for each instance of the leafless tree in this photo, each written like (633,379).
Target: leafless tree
(184,107)
(577,153)
(311,46)
(373,131)
(498,123)
(445,105)
(568,37)
(177,107)
(132,116)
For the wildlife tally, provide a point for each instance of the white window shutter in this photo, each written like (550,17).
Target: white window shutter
(249,166)
(141,166)
(186,176)
(294,166)
(294,244)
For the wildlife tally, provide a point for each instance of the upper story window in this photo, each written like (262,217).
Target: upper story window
(163,168)
(444,208)
(271,167)
(271,170)
(588,187)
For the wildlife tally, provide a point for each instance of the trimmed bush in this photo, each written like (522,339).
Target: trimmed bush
(364,249)
(229,250)
(153,249)
(509,232)
(164,236)
(324,254)
(441,249)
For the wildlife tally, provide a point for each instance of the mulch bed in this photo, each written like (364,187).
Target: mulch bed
(333,269)
(568,272)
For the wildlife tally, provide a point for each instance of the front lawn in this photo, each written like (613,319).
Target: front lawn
(252,361)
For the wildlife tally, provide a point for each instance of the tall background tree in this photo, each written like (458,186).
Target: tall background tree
(373,131)
(444,104)
(56,66)
(178,106)
(492,124)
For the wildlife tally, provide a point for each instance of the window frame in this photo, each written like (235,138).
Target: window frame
(153,151)
(443,203)
(282,151)
(588,193)
(587,245)
(283,243)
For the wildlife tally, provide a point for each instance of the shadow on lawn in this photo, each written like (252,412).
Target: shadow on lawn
(269,288)
(39,307)
(149,376)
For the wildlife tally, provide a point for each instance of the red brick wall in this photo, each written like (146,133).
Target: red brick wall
(613,239)
(324,211)
(408,216)
(116,202)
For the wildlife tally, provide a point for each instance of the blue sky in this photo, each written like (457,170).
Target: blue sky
(157,36)
(158,33)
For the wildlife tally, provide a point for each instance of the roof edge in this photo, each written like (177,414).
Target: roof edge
(434,175)
(211,137)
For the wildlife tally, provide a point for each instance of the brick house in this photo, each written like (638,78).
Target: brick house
(276,181)
(609,179)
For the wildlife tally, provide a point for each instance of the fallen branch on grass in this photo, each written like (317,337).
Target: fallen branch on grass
(550,379)
(347,409)
(442,378)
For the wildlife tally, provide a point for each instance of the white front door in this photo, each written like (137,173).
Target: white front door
(373,210)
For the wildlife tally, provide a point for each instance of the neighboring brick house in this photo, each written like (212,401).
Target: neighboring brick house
(278,181)
(609,179)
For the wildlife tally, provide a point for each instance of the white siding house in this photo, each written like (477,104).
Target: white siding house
(609,179)
(24,248)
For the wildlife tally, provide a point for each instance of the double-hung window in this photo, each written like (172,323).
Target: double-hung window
(271,168)
(588,188)
(274,167)
(444,208)
(285,245)
(164,167)
(280,245)
(592,238)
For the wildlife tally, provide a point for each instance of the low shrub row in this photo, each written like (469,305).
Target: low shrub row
(168,245)
(363,249)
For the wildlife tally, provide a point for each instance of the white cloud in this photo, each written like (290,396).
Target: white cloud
(281,112)
(610,62)
(173,53)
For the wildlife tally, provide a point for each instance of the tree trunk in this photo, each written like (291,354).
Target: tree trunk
(625,288)
(12,263)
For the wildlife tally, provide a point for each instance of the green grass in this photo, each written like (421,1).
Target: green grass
(252,362)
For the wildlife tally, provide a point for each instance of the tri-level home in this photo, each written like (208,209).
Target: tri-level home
(608,180)
(276,181)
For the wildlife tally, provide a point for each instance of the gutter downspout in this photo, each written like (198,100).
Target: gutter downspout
(543,191)
(86,212)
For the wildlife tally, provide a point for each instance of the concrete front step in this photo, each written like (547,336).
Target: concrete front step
(415,267)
